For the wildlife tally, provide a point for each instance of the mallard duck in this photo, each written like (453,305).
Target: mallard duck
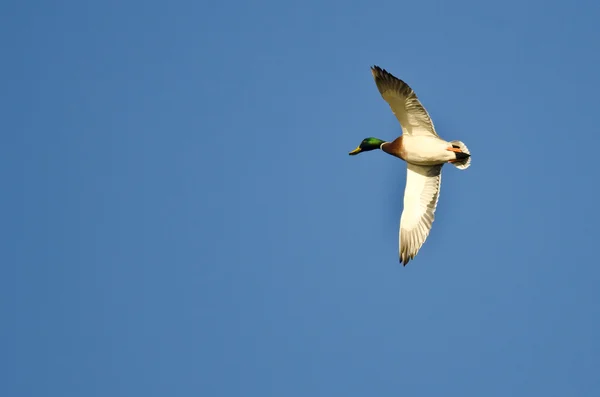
(424,152)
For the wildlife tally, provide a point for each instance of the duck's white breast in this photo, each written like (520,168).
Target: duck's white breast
(426,150)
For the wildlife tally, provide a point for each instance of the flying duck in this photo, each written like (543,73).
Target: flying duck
(424,153)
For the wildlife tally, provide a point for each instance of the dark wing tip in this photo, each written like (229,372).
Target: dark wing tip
(386,80)
(405,258)
(380,73)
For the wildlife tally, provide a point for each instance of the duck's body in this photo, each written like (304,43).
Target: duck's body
(424,152)
(420,150)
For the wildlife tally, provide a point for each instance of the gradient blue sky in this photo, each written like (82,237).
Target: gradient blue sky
(180,216)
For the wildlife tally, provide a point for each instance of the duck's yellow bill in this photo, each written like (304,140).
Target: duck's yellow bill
(355,151)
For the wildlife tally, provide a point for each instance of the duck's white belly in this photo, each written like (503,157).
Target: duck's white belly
(425,150)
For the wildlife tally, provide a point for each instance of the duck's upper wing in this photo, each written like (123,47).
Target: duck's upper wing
(420,200)
(412,116)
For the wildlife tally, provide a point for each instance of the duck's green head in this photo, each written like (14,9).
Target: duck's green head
(366,145)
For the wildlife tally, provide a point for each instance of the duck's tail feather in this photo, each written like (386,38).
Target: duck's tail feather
(463,160)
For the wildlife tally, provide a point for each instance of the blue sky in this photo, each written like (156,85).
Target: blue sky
(181,216)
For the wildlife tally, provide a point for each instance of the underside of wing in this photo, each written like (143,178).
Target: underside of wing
(412,116)
(420,200)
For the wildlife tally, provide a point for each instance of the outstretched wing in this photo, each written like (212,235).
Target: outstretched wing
(412,116)
(420,200)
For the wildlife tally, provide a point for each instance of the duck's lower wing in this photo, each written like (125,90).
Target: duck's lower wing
(420,200)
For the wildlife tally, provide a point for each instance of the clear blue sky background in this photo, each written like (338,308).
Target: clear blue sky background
(180,216)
